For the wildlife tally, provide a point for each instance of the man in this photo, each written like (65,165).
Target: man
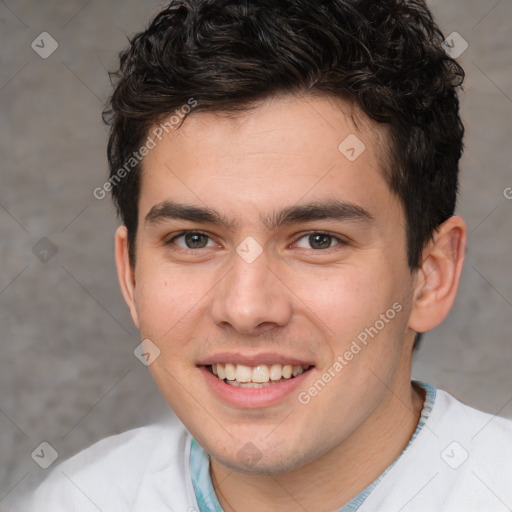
(286,174)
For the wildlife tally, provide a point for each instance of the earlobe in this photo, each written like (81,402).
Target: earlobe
(125,272)
(438,276)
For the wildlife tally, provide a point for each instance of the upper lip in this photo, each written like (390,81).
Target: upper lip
(267,358)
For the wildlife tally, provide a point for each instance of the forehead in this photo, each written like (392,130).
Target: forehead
(285,150)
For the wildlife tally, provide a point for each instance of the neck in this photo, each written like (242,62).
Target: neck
(332,480)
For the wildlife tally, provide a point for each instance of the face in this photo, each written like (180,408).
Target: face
(271,273)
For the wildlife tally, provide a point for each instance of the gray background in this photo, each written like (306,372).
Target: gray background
(68,375)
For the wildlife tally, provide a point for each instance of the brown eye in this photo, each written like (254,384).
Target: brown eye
(318,241)
(192,240)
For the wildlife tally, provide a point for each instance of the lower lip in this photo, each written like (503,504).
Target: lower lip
(252,398)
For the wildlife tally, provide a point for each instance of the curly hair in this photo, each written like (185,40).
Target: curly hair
(385,56)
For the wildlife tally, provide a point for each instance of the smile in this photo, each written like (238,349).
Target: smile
(259,376)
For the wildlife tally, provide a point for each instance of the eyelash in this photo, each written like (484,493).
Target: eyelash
(171,240)
(337,239)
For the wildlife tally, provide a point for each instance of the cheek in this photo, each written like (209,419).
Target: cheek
(167,298)
(355,304)
(342,298)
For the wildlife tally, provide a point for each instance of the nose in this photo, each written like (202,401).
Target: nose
(251,299)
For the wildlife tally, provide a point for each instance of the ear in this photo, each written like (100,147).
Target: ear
(125,272)
(437,279)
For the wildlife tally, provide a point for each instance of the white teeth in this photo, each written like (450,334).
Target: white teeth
(276,372)
(243,373)
(260,375)
(230,371)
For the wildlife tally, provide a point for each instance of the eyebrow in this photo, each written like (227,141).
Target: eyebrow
(326,210)
(167,210)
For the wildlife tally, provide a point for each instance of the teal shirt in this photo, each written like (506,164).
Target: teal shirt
(202,482)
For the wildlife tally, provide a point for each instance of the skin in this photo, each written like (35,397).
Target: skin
(293,300)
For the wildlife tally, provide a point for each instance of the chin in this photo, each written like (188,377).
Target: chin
(274,459)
